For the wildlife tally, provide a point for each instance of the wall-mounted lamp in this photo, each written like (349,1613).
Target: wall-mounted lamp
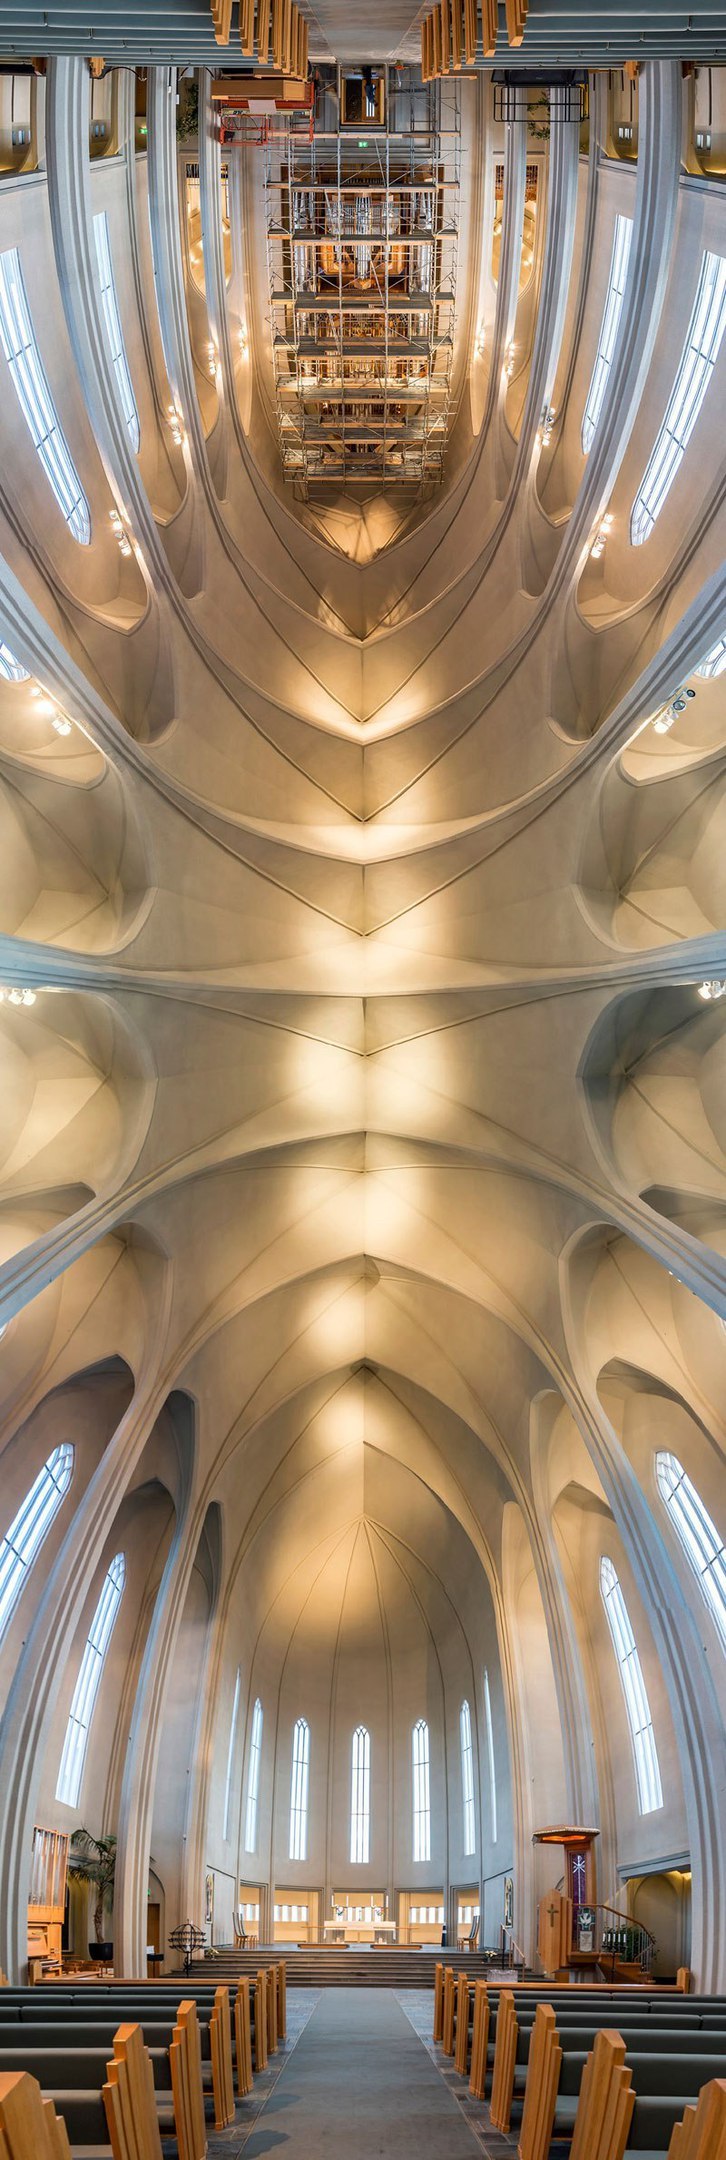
(119,533)
(664,720)
(546,425)
(601,537)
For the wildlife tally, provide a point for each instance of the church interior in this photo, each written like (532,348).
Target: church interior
(363,1049)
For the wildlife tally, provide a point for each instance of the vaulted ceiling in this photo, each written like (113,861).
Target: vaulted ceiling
(367,1098)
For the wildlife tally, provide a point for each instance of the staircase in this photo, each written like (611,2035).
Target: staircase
(331,1965)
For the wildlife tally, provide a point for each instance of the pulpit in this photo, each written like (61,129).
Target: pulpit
(554,1931)
(559,1933)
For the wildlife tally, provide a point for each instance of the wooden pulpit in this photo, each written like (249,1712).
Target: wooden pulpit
(554,1930)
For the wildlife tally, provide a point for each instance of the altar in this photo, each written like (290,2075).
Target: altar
(347,1929)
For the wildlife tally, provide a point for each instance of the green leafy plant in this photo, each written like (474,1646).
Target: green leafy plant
(537,127)
(93,1862)
(187,112)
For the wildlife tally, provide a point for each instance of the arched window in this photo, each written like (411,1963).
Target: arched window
(299,1780)
(253,1778)
(714,661)
(360,1797)
(421,1792)
(88,1683)
(114,332)
(647,1773)
(12,670)
(698,1535)
(467,1777)
(23,1540)
(490,1755)
(609,328)
(697,363)
(230,1756)
(36,403)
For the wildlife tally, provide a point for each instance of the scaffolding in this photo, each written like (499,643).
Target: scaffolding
(362,241)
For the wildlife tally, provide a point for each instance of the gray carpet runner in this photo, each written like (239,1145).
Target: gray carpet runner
(360,2082)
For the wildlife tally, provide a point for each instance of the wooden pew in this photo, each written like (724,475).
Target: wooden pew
(185,2057)
(260,1986)
(243,2038)
(29,2126)
(220,2034)
(505,2055)
(438,2003)
(461,2049)
(130,2100)
(272,2009)
(605,2106)
(543,2077)
(447,2030)
(702,2133)
(282,2000)
(479,2040)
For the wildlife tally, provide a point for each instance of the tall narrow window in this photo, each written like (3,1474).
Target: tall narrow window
(647,1773)
(698,360)
(421,1792)
(299,1779)
(114,332)
(608,329)
(253,1778)
(490,1755)
(360,1797)
(11,669)
(230,1756)
(467,1777)
(88,1683)
(702,1545)
(36,403)
(714,661)
(23,1540)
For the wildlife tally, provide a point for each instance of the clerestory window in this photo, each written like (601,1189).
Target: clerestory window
(85,1692)
(360,1797)
(607,340)
(114,333)
(467,1778)
(36,402)
(299,1782)
(647,1772)
(702,1544)
(253,1779)
(421,1791)
(21,1543)
(697,364)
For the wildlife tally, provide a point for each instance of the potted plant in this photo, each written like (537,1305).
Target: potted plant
(93,1862)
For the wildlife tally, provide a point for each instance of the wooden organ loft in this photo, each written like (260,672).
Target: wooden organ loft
(362,232)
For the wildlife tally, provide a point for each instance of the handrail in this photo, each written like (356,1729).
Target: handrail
(619,1936)
(512,1952)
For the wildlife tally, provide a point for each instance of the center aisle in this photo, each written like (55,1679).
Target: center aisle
(360,2082)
